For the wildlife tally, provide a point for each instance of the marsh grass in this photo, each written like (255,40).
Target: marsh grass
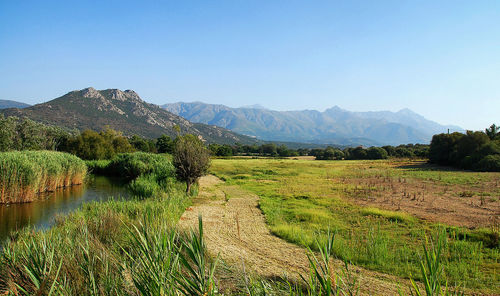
(144,254)
(24,174)
(133,165)
(434,279)
(90,247)
(389,215)
(98,167)
(149,174)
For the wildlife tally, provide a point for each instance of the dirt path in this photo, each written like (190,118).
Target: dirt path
(235,228)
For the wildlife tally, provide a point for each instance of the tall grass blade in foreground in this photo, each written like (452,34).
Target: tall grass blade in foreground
(432,271)
(155,259)
(322,279)
(37,270)
(199,271)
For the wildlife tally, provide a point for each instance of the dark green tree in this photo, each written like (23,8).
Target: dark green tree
(164,144)
(468,147)
(225,150)
(444,148)
(492,132)
(268,149)
(7,133)
(376,153)
(283,151)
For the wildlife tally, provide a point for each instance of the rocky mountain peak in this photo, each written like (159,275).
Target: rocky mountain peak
(117,94)
(132,95)
(123,96)
(90,92)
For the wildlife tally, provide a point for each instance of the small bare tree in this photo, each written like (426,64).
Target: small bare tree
(191,159)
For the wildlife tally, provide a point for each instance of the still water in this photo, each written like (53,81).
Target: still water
(41,213)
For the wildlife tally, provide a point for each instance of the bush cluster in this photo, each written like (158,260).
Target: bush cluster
(407,151)
(149,174)
(268,149)
(473,150)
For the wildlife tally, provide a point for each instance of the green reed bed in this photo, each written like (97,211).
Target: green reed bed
(24,174)
(149,174)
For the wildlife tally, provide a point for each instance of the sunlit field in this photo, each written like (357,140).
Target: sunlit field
(382,211)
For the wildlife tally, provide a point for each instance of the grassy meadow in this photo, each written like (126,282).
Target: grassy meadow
(303,199)
(133,247)
(25,174)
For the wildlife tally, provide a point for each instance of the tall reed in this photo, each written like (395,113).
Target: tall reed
(24,174)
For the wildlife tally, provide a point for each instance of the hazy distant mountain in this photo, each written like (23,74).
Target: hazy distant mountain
(410,118)
(254,106)
(4,104)
(121,110)
(334,125)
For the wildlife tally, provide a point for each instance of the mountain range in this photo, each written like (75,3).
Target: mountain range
(4,104)
(333,126)
(124,111)
(127,112)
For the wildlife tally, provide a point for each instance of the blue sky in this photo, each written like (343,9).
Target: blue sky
(439,58)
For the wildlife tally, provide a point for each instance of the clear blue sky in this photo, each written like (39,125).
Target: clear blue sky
(438,58)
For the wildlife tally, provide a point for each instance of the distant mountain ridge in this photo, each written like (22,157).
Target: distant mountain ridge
(124,111)
(4,104)
(333,126)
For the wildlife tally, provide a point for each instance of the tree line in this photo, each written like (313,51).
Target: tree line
(473,150)
(26,134)
(384,152)
(268,149)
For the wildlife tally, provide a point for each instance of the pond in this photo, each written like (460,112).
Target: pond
(41,213)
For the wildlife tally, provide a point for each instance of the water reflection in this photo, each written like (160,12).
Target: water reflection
(41,213)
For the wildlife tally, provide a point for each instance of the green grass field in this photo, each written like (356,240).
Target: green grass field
(301,202)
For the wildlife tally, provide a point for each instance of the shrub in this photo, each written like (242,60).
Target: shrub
(98,167)
(133,165)
(376,153)
(145,186)
(191,159)
(472,150)
(490,163)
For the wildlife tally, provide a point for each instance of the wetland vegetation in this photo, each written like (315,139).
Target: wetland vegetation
(375,214)
(25,174)
(376,224)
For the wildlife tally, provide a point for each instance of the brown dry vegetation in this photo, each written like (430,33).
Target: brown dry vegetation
(459,204)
